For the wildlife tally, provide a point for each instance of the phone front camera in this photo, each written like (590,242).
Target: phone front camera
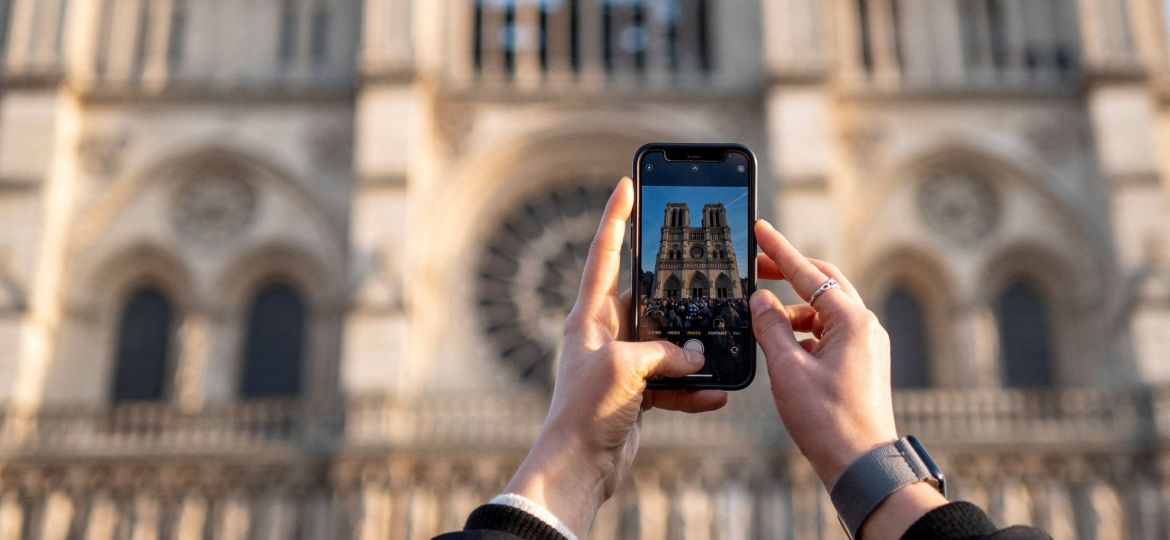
(740,169)
(649,167)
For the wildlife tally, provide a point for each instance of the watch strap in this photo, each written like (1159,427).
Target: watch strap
(871,478)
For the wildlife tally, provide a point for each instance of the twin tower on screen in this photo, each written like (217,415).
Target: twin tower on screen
(696,262)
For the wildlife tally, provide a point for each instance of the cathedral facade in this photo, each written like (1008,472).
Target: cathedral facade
(299,268)
(696,262)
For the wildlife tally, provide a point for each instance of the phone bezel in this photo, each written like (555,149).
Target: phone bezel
(698,153)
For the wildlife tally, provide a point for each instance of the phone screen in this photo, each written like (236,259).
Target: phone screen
(696,260)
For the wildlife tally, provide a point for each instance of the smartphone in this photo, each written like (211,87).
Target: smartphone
(694,255)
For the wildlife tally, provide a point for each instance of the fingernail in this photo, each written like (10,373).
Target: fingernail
(758,303)
(694,358)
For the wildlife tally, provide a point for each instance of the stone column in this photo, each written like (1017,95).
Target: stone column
(157,53)
(589,44)
(194,357)
(526,45)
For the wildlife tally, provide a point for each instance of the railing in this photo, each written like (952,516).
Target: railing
(244,44)
(567,43)
(990,416)
(507,421)
(904,44)
(32,37)
(151,427)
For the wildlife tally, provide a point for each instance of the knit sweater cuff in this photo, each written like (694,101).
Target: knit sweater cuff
(955,521)
(512,520)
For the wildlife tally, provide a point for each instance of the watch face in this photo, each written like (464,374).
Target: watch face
(931,466)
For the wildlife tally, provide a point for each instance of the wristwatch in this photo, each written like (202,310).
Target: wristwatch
(878,474)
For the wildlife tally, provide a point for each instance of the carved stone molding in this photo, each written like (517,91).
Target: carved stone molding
(214,204)
(13,296)
(863,141)
(529,272)
(454,121)
(1055,135)
(959,204)
(331,145)
(100,154)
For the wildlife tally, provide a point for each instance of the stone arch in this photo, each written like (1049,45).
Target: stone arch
(1075,337)
(698,285)
(919,274)
(1006,167)
(260,267)
(97,218)
(724,286)
(672,287)
(494,176)
(94,299)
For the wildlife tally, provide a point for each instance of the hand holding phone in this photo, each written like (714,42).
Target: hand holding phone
(694,257)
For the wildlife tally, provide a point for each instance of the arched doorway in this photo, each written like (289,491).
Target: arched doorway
(724,287)
(672,288)
(699,286)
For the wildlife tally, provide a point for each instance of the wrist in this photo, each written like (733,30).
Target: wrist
(830,464)
(559,475)
(894,516)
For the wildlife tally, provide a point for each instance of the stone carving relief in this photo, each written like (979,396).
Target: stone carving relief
(379,281)
(454,123)
(864,141)
(959,204)
(12,293)
(214,204)
(1055,135)
(100,154)
(194,356)
(331,145)
(529,272)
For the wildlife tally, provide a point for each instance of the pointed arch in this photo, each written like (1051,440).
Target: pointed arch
(724,286)
(912,295)
(672,287)
(1023,318)
(274,350)
(145,342)
(698,286)
(1031,292)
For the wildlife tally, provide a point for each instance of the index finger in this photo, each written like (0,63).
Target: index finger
(600,277)
(804,276)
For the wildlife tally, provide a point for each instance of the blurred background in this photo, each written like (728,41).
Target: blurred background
(297,268)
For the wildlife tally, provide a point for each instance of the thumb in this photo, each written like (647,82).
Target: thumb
(773,330)
(662,358)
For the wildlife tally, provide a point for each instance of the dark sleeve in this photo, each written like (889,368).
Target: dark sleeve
(965,521)
(503,522)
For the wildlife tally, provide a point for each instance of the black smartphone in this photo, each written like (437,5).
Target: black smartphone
(694,255)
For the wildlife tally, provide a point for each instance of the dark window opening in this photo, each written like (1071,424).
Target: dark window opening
(319,41)
(865,36)
(905,321)
(288,33)
(1025,337)
(274,352)
(144,339)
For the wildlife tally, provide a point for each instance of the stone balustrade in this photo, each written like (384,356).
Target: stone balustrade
(1080,462)
(950,417)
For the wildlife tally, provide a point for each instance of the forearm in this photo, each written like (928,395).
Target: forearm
(559,476)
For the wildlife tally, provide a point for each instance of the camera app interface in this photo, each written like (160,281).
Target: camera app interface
(694,268)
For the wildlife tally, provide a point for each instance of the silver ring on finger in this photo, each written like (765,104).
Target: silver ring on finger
(829,284)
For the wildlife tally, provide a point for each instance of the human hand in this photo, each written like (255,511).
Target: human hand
(832,390)
(591,433)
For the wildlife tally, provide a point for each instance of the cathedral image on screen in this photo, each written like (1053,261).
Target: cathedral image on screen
(696,262)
